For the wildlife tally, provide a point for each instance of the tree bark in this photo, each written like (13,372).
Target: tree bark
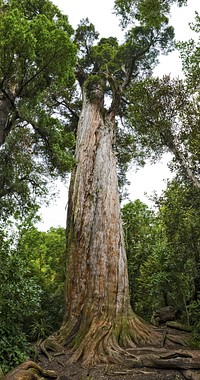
(99,320)
(29,371)
(5,108)
(180,359)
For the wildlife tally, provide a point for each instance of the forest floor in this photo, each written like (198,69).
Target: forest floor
(77,371)
(106,372)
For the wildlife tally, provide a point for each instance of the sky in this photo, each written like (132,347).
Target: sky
(152,177)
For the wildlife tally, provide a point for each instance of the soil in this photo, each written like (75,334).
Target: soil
(77,371)
(104,371)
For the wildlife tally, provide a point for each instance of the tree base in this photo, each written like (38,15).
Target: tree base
(108,342)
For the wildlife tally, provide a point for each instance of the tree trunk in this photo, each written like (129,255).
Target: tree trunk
(99,321)
(5,107)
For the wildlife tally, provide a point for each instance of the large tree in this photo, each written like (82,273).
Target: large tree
(99,321)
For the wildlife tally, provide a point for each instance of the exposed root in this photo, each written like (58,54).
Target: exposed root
(129,341)
(177,359)
(29,371)
(191,375)
(107,341)
(180,340)
(51,344)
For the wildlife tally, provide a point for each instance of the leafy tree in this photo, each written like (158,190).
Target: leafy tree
(32,276)
(139,232)
(20,298)
(37,60)
(170,274)
(164,114)
(179,209)
(189,52)
(99,320)
(165,118)
(44,253)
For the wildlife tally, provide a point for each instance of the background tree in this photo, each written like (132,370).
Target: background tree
(19,300)
(45,255)
(170,274)
(139,233)
(179,210)
(31,289)
(168,123)
(37,60)
(165,118)
(164,114)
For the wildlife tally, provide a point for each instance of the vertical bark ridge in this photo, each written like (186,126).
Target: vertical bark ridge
(99,318)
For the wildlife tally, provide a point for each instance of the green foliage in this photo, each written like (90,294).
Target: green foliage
(170,275)
(20,298)
(92,84)
(32,274)
(45,251)
(29,160)
(163,253)
(194,312)
(40,328)
(21,178)
(180,210)
(14,347)
(164,117)
(189,52)
(148,12)
(20,295)
(138,225)
(37,59)
(156,107)
(34,46)
(106,55)
(162,280)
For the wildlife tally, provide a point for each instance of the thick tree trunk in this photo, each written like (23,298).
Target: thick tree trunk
(99,320)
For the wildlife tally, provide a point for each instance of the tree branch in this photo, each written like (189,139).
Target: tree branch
(180,158)
(130,70)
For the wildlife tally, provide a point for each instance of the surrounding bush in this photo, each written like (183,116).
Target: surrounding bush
(14,347)
(31,290)
(19,300)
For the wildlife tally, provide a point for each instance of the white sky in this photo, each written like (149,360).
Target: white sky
(152,177)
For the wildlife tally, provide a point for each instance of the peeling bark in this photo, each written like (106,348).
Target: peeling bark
(99,321)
